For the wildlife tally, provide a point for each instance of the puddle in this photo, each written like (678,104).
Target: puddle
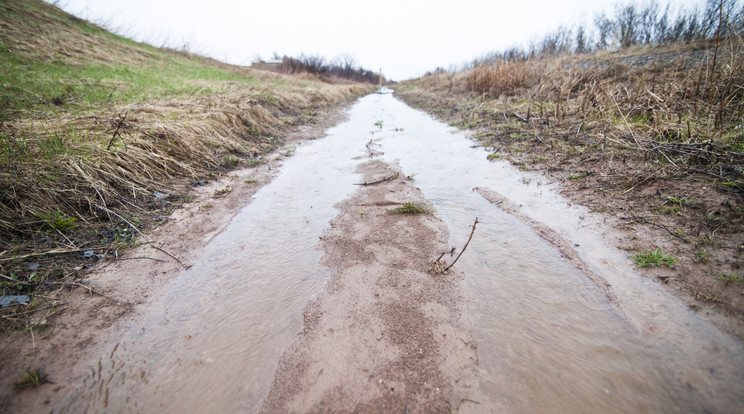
(212,343)
(548,339)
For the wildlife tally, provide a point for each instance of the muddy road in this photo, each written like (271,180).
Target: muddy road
(317,298)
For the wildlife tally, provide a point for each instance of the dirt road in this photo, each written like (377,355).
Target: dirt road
(387,335)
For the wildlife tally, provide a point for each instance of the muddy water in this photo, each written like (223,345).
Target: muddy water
(549,340)
(212,343)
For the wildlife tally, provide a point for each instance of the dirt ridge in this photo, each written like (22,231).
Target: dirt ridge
(386,335)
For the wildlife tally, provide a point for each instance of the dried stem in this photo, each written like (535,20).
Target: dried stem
(475,223)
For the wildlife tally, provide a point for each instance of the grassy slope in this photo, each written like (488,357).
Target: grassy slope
(652,137)
(93,124)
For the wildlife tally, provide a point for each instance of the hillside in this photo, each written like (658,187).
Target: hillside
(102,137)
(650,137)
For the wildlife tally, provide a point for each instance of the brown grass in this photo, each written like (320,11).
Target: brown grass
(96,164)
(623,132)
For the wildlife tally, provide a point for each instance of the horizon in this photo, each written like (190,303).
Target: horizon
(419,37)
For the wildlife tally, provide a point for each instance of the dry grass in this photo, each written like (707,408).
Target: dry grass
(100,128)
(623,131)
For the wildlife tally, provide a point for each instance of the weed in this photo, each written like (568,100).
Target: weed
(398,129)
(526,181)
(32,379)
(576,176)
(288,151)
(729,279)
(409,208)
(220,193)
(250,181)
(540,158)
(667,209)
(207,206)
(707,297)
(230,160)
(649,258)
(682,201)
(492,157)
(55,220)
(701,256)
(378,124)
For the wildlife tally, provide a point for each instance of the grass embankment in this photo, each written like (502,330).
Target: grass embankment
(100,134)
(653,136)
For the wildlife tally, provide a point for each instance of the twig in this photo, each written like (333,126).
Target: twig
(90,290)
(140,257)
(116,132)
(625,120)
(53,251)
(665,156)
(475,223)
(16,281)
(643,220)
(392,177)
(14,315)
(144,236)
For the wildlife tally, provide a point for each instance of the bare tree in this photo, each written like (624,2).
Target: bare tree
(581,46)
(604,27)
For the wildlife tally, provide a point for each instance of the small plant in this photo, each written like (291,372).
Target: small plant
(729,279)
(682,201)
(220,193)
(230,160)
(32,379)
(671,210)
(492,157)
(207,206)
(648,258)
(288,151)
(378,124)
(707,297)
(250,181)
(398,129)
(58,221)
(576,177)
(701,256)
(409,208)
(526,181)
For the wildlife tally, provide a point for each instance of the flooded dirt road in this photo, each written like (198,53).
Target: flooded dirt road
(558,321)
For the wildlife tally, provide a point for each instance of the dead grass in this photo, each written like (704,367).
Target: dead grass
(109,155)
(622,131)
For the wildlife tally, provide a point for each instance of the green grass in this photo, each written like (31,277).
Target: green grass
(729,279)
(32,379)
(409,208)
(55,220)
(649,258)
(53,87)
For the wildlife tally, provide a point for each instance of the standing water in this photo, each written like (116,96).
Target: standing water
(548,339)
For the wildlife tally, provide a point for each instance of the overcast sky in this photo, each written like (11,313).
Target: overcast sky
(405,38)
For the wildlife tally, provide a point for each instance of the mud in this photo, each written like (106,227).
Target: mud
(387,335)
(116,292)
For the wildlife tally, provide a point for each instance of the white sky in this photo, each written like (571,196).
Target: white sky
(405,38)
